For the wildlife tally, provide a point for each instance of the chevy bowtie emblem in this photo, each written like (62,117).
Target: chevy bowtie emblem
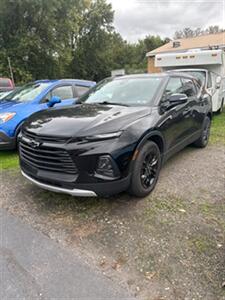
(34,144)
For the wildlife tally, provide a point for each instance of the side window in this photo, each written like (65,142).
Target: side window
(174,86)
(189,87)
(213,79)
(81,90)
(64,92)
(209,83)
(47,98)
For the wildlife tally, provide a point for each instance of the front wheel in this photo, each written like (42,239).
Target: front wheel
(146,170)
(202,142)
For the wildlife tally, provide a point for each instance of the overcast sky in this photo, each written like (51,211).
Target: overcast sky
(135,19)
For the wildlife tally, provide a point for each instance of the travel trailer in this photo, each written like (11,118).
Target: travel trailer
(208,66)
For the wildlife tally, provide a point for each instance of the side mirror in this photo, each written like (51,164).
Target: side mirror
(218,82)
(54,100)
(176,99)
(172,101)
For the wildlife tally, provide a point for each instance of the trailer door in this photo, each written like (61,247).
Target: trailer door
(214,91)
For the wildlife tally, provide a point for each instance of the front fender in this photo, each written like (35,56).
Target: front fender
(148,136)
(153,135)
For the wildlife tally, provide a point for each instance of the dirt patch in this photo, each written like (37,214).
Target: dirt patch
(170,245)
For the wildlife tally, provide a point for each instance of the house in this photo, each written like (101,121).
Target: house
(204,42)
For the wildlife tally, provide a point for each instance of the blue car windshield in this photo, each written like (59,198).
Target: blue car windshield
(124,91)
(27,93)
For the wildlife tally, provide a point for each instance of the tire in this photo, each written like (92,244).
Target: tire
(202,142)
(146,170)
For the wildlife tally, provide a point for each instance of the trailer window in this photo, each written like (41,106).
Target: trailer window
(209,83)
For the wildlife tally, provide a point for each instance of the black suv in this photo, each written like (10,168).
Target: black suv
(117,137)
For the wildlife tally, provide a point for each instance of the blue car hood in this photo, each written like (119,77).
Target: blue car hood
(11,106)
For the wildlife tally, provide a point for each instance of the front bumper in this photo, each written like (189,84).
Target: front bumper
(85,190)
(71,169)
(6,142)
(73,192)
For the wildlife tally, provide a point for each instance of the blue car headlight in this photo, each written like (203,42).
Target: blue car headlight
(5,117)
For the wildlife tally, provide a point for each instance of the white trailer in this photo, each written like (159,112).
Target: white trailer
(208,66)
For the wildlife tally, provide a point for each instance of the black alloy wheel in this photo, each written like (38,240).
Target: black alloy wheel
(202,142)
(146,170)
(149,170)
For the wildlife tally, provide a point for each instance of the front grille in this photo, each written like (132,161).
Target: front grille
(45,138)
(47,158)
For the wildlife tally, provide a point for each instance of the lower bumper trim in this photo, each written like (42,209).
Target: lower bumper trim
(6,142)
(74,192)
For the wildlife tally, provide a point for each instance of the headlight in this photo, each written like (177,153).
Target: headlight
(5,117)
(104,136)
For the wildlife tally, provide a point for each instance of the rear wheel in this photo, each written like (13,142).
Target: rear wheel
(146,170)
(202,142)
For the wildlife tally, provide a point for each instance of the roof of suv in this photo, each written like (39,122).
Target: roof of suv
(181,74)
(163,74)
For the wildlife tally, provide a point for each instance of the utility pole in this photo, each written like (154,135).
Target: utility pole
(10,69)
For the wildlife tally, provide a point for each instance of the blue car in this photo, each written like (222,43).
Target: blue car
(17,106)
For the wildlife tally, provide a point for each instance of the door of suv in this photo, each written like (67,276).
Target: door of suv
(195,104)
(176,123)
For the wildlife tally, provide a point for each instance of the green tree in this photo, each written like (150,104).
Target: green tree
(66,38)
(37,35)
(92,49)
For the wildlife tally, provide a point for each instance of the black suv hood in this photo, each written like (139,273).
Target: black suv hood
(83,120)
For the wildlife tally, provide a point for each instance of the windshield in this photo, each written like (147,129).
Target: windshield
(4,94)
(27,93)
(124,91)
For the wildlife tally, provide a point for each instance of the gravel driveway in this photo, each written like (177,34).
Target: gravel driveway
(170,245)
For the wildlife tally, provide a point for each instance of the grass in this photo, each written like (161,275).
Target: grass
(9,159)
(218,129)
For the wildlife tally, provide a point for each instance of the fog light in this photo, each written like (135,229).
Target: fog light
(106,167)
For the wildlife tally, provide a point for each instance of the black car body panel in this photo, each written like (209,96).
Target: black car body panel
(86,119)
(64,147)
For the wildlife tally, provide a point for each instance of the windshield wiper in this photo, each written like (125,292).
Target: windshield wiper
(111,103)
